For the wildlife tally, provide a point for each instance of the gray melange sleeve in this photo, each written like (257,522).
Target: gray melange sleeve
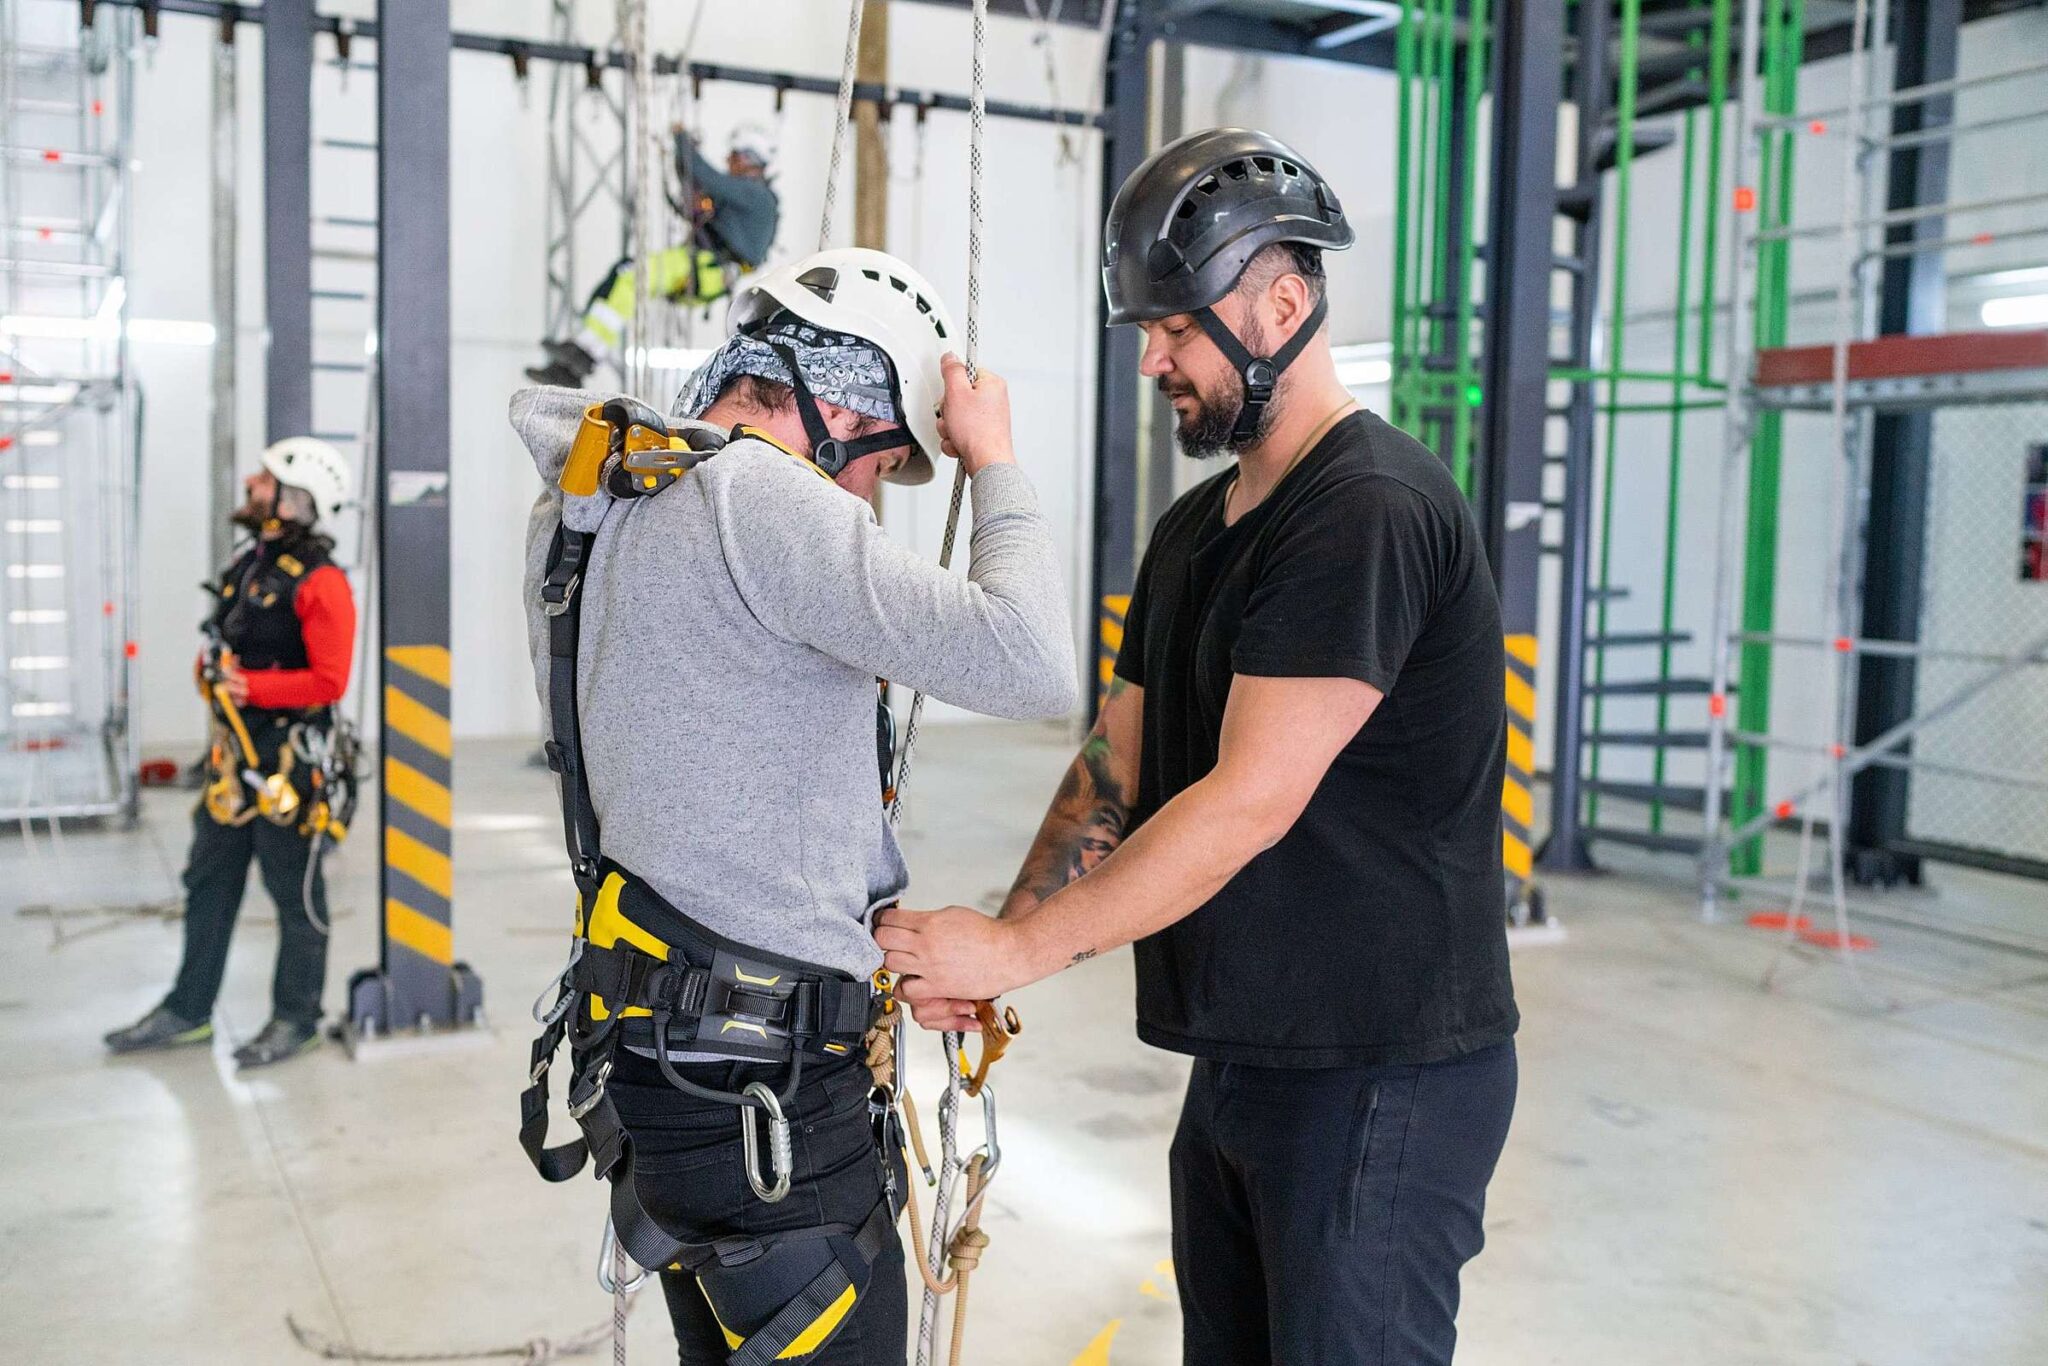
(812,566)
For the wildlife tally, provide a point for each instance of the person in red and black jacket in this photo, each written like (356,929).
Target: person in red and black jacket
(281,642)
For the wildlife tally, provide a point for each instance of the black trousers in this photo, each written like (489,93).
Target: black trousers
(216,878)
(686,1153)
(1321,1216)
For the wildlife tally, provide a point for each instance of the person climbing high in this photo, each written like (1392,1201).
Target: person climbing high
(733,216)
(281,643)
(709,607)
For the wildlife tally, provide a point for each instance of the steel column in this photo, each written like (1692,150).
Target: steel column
(223,498)
(1912,299)
(288,217)
(1115,563)
(1508,470)
(417,981)
(1565,847)
(1160,448)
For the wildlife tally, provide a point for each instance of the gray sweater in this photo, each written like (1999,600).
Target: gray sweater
(733,628)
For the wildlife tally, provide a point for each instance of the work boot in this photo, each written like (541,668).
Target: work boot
(276,1042)
(568,365)
(159,1029)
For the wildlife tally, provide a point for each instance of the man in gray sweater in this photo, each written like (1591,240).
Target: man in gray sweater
(732,629)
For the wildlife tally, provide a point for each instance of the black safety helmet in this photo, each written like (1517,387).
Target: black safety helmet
(1186,223)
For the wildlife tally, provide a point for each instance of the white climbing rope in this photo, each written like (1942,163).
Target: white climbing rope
(844,116)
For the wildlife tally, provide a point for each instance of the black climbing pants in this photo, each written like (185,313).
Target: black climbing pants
(216,877)
(1322,1215)
(686,1154)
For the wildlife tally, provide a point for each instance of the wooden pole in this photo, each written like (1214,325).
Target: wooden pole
(871,157)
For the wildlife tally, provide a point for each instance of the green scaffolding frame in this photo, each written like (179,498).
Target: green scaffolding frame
(1436,342)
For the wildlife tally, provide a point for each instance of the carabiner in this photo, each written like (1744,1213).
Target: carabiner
(992,1149)
(779,1155)
(605,1250)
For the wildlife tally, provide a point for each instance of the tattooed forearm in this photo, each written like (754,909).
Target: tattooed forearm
(1083,956)
(1089,816)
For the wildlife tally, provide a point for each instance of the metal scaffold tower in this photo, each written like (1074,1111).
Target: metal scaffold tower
(69,411)
(1918,727)
(586,167)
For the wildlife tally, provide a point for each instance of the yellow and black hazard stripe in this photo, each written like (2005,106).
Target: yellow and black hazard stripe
(1109,639)
(419,748)
(1517,796)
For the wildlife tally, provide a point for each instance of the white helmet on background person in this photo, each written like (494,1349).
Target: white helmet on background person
(874,296)
(307,462)
(755,141)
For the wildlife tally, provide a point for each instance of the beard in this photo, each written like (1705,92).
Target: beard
(1209,431)
(249,517)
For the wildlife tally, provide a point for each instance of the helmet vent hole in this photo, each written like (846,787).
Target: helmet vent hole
(1264,163)
(872,274)
(1290,168)
(1237,170)
(1208,185)
(1186,209)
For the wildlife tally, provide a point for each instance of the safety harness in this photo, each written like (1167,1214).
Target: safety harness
(1261,374)
(254,606)
(642,972)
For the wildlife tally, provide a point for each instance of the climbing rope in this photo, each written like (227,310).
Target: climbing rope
(962,1244)
(536,1351)
(843,117)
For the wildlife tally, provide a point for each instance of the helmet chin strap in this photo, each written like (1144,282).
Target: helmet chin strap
(828,452)
(1261,374)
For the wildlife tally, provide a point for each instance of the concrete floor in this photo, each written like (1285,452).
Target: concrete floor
(1700,1172)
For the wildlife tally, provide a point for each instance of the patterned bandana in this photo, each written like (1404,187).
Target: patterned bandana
(848,371)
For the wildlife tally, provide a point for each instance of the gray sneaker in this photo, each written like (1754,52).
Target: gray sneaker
(159,1029)
(276,1042)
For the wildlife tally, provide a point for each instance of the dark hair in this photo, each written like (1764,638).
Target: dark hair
(756,391)
(300,539)
(1285,258)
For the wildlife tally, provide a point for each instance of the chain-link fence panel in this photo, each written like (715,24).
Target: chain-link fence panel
(1980,776)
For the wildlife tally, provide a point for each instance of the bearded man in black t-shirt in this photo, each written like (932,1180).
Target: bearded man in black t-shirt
(1298,769)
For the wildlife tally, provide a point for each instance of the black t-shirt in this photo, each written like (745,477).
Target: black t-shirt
(1374,932)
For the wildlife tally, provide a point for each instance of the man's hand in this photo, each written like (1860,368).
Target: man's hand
(950,958)
(236,682)
(974,419)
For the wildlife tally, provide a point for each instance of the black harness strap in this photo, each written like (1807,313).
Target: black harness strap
(811,1012)
(1261,374)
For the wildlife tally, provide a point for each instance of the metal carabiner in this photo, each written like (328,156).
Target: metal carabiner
(605,1253)
(779,1154)
(992,1149)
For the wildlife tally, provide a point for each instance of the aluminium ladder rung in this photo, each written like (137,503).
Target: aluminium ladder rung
(1649,739)
(1622,638)
(1652,687)
(1668,794)
(1644,839)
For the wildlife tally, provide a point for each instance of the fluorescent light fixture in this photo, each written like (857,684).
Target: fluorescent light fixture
(170,332)
(37,616)
(1359,373)
(675,357)
(38,663)
(42,709)
(35,571)
(2016,310)
(106,327)
(33,526)
(32,481)
(62,329)
(44,437)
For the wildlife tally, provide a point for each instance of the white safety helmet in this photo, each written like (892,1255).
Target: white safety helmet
(874,296)
(307,462)
(755,141)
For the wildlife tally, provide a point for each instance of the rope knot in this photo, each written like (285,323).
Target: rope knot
(965,1254)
